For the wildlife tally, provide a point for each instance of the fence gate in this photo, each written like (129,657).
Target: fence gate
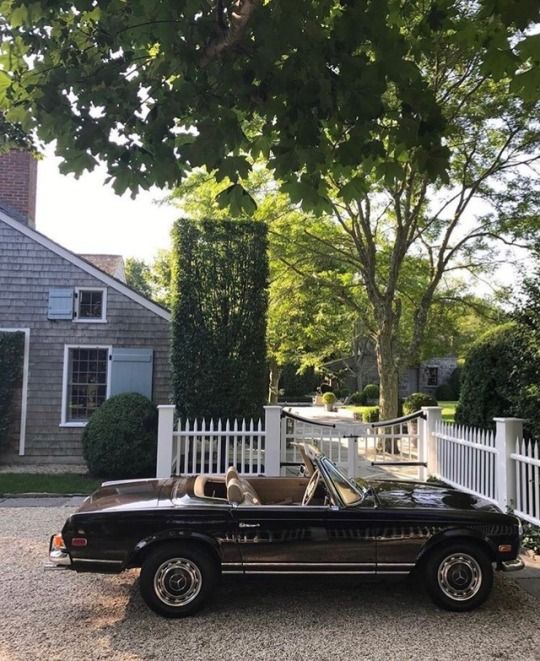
(391,444)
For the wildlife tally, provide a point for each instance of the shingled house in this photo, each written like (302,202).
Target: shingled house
(87,334)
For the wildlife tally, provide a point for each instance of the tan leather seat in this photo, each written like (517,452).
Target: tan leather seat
(230,474)
(240,491)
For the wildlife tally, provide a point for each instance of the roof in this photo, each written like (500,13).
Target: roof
(111,264)
(9,218)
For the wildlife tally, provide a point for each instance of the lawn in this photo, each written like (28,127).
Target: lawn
(63,483)
(448,411)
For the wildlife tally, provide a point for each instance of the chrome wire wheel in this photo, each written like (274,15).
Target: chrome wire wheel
(177,582)
(459,576)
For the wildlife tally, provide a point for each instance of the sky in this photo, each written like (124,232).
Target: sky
(86,216)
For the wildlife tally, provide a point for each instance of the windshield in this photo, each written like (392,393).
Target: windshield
(349,493)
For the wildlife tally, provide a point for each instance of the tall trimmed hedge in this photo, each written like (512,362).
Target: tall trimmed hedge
(490,382)
(220,276)
(11,364)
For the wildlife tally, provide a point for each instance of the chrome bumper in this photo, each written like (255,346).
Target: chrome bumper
(512,565)
(58,558)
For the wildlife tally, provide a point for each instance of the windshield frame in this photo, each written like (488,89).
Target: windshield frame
(326,466)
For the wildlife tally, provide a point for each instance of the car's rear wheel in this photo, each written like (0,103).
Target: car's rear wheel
(459,576)
(176,580)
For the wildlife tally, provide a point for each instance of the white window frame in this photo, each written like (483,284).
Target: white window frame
(77,299)
(65,379)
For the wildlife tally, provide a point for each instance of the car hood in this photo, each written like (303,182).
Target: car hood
(129,495)
(425,495)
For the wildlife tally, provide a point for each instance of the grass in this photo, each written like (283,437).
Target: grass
(448,411)
(63,483)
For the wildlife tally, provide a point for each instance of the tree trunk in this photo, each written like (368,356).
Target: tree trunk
(273,385)
(387,365)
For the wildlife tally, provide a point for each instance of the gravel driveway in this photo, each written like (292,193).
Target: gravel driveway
(55,615)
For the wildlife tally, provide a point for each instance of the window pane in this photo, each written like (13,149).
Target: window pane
(87,385)
(90,304)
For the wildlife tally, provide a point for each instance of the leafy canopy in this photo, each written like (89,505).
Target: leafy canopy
(156,89)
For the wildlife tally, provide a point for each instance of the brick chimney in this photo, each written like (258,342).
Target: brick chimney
(18,180)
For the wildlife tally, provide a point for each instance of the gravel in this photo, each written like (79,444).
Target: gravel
(61,615)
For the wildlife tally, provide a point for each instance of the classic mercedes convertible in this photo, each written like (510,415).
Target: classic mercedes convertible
(185,531)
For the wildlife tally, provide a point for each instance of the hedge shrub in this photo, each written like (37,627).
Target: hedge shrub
(357,398)
(371,393)
(414,402)
(490,382)
(449,391)
(120,439)
(220,300)
(329,398)
(370,414)
(11,362)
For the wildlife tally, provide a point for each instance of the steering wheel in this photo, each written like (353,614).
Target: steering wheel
(311,488)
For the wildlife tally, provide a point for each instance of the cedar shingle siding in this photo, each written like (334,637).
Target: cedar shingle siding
(28,271)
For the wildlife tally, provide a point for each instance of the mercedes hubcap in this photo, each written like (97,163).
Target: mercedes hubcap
(177,582)
(459,576)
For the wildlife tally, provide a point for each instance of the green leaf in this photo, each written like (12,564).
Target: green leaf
(238,200)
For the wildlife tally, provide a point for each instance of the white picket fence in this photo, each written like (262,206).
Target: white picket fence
(209,446)
(466,458)
(498,466)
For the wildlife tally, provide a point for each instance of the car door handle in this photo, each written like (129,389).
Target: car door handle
(248,525)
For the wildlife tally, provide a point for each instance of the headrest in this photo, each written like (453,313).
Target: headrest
(231,473)
(235,494)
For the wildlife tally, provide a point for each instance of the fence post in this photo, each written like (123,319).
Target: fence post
(427,446)
(165,440)
(352,457)
(507,431)
(272,442)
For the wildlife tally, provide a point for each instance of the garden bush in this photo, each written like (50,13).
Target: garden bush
(449,392)
(329,398)
(120,439)
(11,360)
(371,393)
(415,402)
(370,414)
(488,389)
(357,398)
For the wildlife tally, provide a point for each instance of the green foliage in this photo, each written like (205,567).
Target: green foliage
(320,86)
(449,391)
(219,318)
(487,382)
(371,393)
(120,439)
(329,398)
(138,276)
(370,414)
(296,382)
(357,398)
(414,402)
(11,364)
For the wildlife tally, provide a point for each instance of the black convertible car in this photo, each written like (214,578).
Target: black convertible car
(184,532)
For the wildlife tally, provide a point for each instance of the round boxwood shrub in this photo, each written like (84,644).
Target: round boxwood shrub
(329,398)
(357,398)
(120,439)
(415,402)
(371,392)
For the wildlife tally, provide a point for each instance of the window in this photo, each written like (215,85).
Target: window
(90,305)
(432,376)
(86,383)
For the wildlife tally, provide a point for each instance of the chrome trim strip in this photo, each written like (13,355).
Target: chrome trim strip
(393,573)
(395,564)
(317,571)
(309,564)
(232,571)
(108,562)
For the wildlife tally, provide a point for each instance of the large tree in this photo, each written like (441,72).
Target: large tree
(391,117)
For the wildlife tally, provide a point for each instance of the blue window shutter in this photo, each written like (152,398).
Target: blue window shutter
(60,303)
(131,371)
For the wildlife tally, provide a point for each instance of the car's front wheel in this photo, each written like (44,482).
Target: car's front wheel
(176,580)
(459,576)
